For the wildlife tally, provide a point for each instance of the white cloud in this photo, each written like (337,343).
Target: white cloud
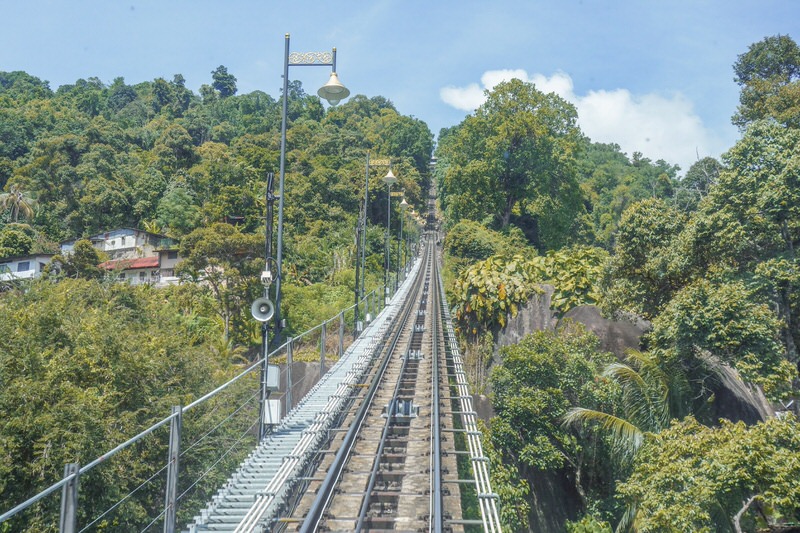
(658,126)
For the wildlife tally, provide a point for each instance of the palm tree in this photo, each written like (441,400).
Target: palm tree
(17,201)
(652,394)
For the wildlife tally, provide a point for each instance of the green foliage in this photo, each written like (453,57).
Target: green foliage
(589,524)
(228,263)
(85,365)
(694,478)
(697,183)
(490,291)
(224,82)
(513,490)
(727,320)
(515,158)
(473,241)
(642,270)
(575,273)
(539,379)
(82,262)
(14,243)
(652,392)
(769,75)
(611,182)
(307,306)
(16,202)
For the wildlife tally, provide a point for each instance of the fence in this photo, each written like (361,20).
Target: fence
(136,486)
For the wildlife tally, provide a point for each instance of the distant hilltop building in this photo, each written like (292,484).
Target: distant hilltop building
(23,267)
(135,256)
(126,243)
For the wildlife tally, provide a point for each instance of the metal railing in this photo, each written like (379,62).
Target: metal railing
(330,338)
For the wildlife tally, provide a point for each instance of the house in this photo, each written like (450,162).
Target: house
(23,267)
(167,259)
(126,243)
(135,256)
(135,271)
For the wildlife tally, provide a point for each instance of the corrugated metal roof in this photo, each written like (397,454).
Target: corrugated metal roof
(130,264)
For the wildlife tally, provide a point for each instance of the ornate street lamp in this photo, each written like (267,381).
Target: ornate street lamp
(333,92)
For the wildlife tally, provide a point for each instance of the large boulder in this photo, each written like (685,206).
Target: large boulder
(534,315)
(616,336)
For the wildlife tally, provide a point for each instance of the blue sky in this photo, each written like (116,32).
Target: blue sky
(652,76)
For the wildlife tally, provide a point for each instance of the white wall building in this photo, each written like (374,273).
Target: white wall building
(125,243)
(23,267)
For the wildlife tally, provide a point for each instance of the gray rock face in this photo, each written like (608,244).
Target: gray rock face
(616,336)
(535,315)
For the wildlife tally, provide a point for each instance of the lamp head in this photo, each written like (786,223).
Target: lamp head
(404,205)
(333,91)
(389,178)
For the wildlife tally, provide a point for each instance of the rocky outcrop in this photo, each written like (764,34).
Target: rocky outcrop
(616,336)
(534,315)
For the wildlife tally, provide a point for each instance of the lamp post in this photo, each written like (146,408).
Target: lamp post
(403,207)
(361,238)
(389,179)
(333,92)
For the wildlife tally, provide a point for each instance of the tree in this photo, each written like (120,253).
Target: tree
(224,82)
(730,478)
(697,183)
(86,365)
(750,221)
(651,395)
(16,202)
(226,262)
(515,158)
(769,75)
(539,380)
(653,392)
(14,243)
(642,276)
(80,263)
(727,320)
(611,183)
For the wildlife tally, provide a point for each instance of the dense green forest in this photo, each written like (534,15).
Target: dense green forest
(707,257)
(645,440)
(86,363)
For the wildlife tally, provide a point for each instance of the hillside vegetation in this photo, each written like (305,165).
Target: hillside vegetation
(706,255)
(708,259)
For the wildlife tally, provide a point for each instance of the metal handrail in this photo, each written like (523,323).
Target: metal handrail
(254,366)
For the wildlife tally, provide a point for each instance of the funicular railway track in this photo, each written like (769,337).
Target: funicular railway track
(386,474)
(386,441)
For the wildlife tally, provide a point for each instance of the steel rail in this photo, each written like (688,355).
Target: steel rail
(326,489)
(436,523)
(387,426)
(490,516)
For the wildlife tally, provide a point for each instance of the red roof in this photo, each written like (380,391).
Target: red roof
(130,264)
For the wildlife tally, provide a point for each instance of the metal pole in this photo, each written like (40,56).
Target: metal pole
(399,251)
(289,384)
(69,500)
(356,325)
(323,338)
(171,497)
(263,391)
(284,118)
(364,237)
(341,334)
(388,226)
